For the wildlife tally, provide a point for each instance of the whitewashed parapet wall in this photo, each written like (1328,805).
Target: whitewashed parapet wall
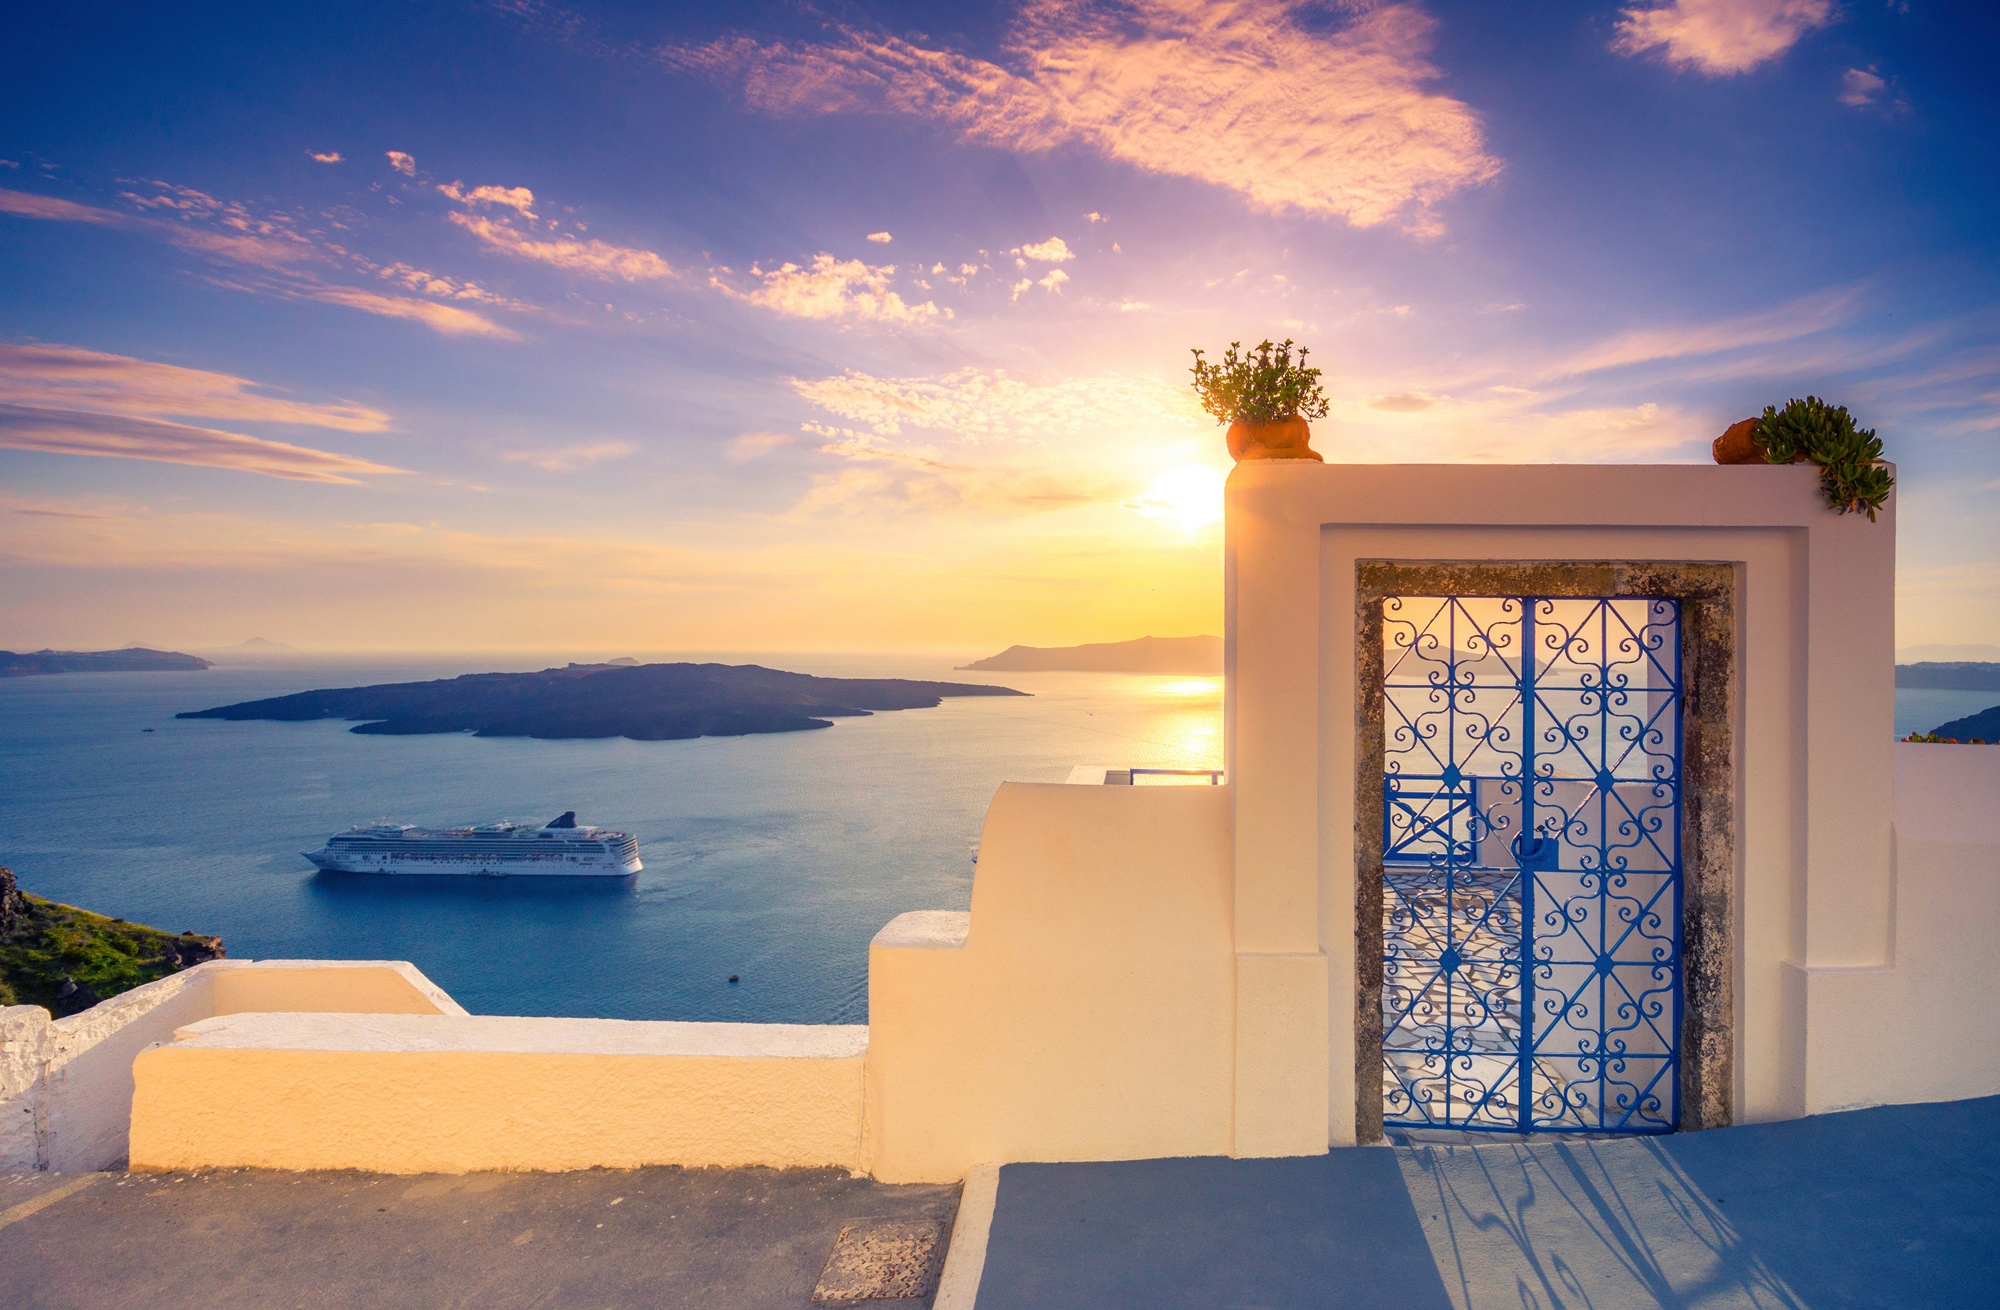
(1816,901)
(66,1084)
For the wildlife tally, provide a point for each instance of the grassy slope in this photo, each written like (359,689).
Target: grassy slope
(51,942)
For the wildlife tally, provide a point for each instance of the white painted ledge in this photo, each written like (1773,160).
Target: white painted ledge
(522,1036)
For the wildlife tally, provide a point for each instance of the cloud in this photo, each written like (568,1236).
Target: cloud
(597,258)
(1860,88)
(1052,251)
(74,432)
(265,242)
(754,445)
(402,163)
(1404,402)
(882,238)
(977,405)
(1798,318)
(886,483)
(329,157)
(449,320)
(24,204)
(1053,280)
(564,459)
(1719,37)
(517,198)
(68,377)
(832,289)
(1333,122)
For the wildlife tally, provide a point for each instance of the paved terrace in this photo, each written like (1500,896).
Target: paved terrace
(1894,1207)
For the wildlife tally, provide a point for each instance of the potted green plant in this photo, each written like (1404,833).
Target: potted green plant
(1265,396)
(1851,471)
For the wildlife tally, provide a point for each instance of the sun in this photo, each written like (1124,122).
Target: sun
(1190,495)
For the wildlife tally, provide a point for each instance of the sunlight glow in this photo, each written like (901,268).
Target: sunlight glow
(1193,687)
(1190,495)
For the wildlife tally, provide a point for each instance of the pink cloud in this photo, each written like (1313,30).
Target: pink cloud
(447,319)
(230,233)
(1720,37)
(67,377)
(1236,94)
(74,432)
(830,288)
(517,198)
(594,257)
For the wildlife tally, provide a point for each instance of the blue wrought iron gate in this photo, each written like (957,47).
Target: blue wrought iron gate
(1531,864)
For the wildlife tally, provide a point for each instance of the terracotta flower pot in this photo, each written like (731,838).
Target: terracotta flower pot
(1284,438)
(1738,445)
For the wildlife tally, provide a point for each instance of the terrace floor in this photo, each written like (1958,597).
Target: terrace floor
(726,1239)
(1892,1207)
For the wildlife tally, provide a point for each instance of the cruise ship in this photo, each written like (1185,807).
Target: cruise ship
(559,848)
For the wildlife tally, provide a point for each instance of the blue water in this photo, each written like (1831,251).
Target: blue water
(774,857)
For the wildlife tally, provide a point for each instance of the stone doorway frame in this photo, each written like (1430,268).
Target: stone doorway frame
(1708,600)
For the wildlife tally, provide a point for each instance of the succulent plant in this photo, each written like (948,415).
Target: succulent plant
(1849,457)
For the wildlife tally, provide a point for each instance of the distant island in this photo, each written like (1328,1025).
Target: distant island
(133,659)
(1196,655)
(646,702)
(1983,726)
(256,646)
(1955,675)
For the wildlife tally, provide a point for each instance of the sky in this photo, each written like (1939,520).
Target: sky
(450,325)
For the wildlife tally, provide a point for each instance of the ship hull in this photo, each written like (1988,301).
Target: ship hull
(404,864)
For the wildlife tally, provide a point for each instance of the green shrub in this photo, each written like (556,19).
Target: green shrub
(1849,457)
(1260,386)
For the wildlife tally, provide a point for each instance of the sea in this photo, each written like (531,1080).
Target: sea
(771,858)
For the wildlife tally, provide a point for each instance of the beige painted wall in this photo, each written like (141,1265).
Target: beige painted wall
(402,1093)
(66,1084)
(1813,753)
(1082,1011)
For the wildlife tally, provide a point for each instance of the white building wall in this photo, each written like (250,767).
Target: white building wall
(1814,709)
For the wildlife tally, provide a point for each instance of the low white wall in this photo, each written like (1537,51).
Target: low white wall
(1927,1026)
(452,1094)
(1083,1010)
(66,1084)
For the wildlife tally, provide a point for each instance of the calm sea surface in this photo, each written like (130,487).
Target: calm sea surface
(775,858)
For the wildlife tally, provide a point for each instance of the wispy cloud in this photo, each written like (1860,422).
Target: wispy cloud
(229,233)
(1798,318)
(1719,37)
(747,446)
(27,205)
(75,432)
(832,288)
(401,162)
(979,405)
(880,238)
(1860,88)
(69,377)
(597,258)
(566,459)
(1236,94)
(1052,251)
(324,157)
(447,319)
(517,198)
